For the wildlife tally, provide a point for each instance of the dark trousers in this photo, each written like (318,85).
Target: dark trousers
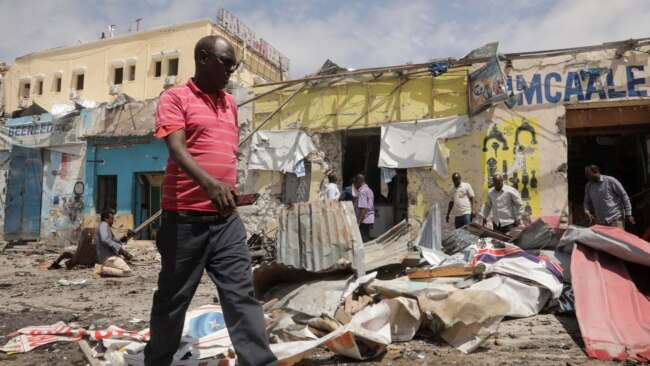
(219,247)
(365,232)
(506,229)
(462,220)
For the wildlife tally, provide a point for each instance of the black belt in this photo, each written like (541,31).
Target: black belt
(193,217)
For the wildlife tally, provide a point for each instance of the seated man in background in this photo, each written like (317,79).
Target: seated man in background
(109,250)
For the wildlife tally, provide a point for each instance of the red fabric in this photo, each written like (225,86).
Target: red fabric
(212,134)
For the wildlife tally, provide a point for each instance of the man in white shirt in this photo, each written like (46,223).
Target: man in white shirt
(332,190)
(462,202)
(505,204)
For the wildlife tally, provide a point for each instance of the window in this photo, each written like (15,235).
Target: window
(118,75)
(296,189)
(106,192)
(131,72)
(24,92)
(57,84)
(39,87)
(172,67)
(158,70)
(80,82)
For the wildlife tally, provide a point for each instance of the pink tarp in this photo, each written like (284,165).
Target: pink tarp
(612,292)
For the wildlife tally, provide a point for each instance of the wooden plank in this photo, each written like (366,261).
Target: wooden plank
(269,304)
(342,316)
(451,271)
(349,303)
(85,348)
(362,302)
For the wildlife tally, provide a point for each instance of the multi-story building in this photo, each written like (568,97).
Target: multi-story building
(59,170)
(139,64)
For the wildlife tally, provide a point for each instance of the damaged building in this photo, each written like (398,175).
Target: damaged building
(408,127)
(78,132)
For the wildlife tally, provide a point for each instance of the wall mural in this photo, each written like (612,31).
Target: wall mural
(510,147)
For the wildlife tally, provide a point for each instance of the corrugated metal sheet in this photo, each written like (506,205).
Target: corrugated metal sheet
(392,247)
(612,294)
(316,235)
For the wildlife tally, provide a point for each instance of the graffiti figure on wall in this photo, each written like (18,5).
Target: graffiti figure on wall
(510,148)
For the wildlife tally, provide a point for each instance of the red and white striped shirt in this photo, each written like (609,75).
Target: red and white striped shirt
(212,133)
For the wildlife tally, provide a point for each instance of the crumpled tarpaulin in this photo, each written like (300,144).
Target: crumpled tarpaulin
(468,316)
(611,269)
(28,338)
(509,260)
(366,336)
(319,234)
(279,151)
(417,143)
(525,300)
(464,318)
(204,336)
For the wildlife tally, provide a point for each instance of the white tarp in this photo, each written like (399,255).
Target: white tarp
(366,336)
(525,300)
(279,151)
(416,144)
(510,260)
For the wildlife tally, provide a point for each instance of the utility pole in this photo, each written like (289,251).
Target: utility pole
(137,24)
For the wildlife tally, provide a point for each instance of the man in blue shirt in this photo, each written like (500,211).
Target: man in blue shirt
(605,196)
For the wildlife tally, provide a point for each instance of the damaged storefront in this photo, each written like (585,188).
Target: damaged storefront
(597,99)
(124,166)
(349,120)
(42,178)
(537,118)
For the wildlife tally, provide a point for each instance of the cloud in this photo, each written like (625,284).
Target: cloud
(357,34)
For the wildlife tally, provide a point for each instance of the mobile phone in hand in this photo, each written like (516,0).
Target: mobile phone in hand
(246,199)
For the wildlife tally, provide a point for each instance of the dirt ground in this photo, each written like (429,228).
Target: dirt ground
(29,297)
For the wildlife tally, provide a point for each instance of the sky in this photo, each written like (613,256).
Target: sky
(354,34)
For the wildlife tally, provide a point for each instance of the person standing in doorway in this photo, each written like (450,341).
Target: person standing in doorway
(348,193)
(332,190)
(462,202)
(364,206)
(201,230)
(505,204)
(605,196)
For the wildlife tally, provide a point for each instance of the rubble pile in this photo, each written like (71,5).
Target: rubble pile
(365,299)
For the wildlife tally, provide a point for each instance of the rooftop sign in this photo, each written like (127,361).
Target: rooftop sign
(238,29)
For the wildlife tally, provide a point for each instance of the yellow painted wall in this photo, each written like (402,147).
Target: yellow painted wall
(370,103)
(364,103)
(141,49)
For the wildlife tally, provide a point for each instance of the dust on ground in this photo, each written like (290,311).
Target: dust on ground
(31,298)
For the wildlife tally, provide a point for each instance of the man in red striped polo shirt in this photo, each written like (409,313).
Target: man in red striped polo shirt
(201,229)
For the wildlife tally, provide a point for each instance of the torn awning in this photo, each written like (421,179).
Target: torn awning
(279,150)
(416,144)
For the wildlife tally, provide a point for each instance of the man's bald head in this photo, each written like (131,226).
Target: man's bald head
(456,178)
(214,60)
(211,44)
(497,179)
(359,180)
